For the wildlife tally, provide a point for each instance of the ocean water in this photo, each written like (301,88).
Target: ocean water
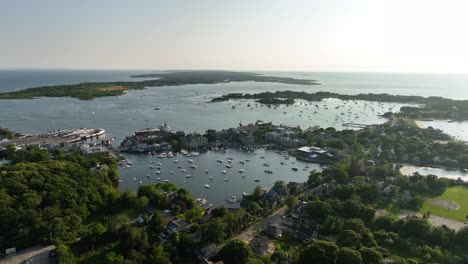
(186,108)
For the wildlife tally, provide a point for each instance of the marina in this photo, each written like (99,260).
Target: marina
(224,183)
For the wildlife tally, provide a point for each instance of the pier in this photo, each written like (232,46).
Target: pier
(355,125)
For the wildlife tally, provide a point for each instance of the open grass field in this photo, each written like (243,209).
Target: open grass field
(439,205)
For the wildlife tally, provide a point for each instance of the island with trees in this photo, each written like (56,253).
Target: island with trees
(92,90)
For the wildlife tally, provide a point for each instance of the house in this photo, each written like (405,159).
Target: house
(178,225)
(304,233)
(272,198)
(194,140)
(246,139)
(387,189)
(280,189)
(312,154)
(274,230)
(207,252)
(262,246)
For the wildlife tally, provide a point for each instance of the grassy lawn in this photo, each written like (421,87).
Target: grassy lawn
(104,219)
(458,195)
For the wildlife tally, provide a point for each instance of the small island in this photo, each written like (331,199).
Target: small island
(92,90)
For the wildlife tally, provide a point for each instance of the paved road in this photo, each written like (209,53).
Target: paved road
(248,234)
(39,255)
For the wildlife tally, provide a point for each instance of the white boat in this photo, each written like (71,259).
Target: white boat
(207,186)
(158,172)
(188,176)
(159,164)
(226,179)
(166,181)
(190,160)
(211,177)
(140,182)
(151,167)
(134,179)
(206,171)
(179,167)
(241,171)
(193,166)
(228,166)
(176,161)
(194,153)
(232,199)
(171,172)
(170,155)
(230,161)
(148,176)
(224,171)
(220,160)
(184,170)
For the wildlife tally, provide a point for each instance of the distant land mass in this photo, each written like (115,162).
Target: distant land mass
(92,90)
(426,107)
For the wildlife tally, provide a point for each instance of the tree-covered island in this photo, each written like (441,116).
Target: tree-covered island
(92,90)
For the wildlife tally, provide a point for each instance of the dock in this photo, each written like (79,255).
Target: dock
(57,137)
(355,125)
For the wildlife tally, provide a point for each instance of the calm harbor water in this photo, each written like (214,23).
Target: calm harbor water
(219,188)
(186,108)
(409,170)
(458,130)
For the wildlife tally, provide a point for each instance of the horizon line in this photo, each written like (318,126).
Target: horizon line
(238,70)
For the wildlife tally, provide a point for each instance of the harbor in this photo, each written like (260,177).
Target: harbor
(246,171)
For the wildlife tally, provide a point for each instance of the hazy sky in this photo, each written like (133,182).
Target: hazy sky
(318,35)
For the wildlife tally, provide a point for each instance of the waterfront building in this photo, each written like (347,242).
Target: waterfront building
(194,140)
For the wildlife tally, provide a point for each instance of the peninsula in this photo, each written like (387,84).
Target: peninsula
(92,90)
(425,107)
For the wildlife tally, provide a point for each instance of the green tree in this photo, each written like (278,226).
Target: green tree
(210,134)
(318,209)
(235,252)
(318,251)
(279,257)
(291,201)
(349,256)
(64,255)
(113,258)
(215,231)
(156,224)
(348,238)
(370,256)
